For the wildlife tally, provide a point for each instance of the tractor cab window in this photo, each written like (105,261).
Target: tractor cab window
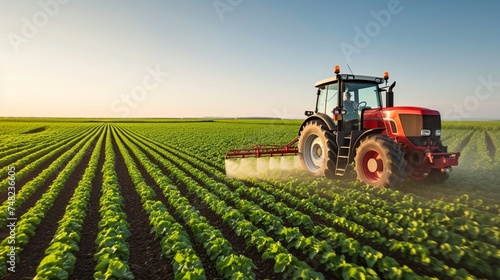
(363,95)
(327,98)
(357,97)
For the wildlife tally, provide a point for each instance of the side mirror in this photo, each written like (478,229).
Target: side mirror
(308,113)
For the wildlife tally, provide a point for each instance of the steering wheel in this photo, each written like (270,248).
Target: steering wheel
(362,102)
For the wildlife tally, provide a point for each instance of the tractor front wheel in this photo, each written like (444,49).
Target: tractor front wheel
(380,162)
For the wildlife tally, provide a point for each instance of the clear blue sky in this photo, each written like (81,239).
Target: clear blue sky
(237,58)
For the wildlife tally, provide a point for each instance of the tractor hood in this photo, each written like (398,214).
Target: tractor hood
(406,124)
(382,117)
(408,110)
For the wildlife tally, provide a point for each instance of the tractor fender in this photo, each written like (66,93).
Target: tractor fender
(321,117)
(358,137)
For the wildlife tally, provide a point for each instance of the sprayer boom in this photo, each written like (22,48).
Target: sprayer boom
(261,150)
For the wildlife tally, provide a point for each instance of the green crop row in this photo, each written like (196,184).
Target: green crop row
(59,260)
(284,261)
(406,221)
(30,187)
(112,248)
(14,140)
(28,222)
(33,152)
(413,252)
(228,264)
(30,163)
(174,240)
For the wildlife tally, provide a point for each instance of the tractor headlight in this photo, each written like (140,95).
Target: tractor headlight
(438,132)
(425,132)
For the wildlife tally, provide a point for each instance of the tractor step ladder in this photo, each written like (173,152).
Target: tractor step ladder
(343,153)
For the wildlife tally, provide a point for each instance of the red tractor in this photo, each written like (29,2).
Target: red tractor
(386,143)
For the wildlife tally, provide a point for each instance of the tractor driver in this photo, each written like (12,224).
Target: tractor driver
(351,117)
(349,105)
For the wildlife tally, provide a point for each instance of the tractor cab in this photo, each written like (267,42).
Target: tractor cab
(359,93)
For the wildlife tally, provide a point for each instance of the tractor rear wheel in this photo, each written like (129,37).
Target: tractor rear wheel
(380,162)
(318,149)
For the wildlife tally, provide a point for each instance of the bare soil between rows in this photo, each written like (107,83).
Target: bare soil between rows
(85,264)
(146,261)
(490,146)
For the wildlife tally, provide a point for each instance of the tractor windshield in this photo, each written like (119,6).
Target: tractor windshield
(362,95)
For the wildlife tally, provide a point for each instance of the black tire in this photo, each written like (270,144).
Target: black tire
(380,162)
(318,149)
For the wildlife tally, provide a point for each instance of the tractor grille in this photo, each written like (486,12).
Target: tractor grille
(432,122)
(413,125)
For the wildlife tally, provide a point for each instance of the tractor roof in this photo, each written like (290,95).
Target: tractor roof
(350,77)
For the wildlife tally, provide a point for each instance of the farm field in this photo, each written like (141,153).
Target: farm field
(150,200)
